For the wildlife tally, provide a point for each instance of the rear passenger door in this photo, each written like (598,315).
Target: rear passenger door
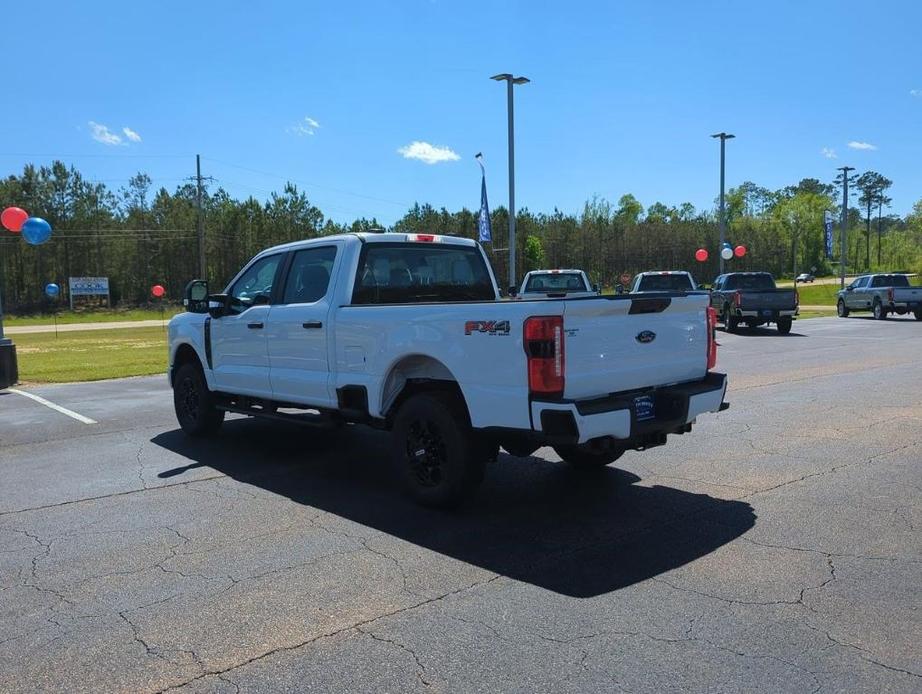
(298,332)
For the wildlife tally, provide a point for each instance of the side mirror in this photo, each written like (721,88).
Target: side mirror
(217,305)
(195,296)
(597,288)
(619,289)
(848,289)
(513,292)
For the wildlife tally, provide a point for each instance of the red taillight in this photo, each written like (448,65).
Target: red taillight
(738,299)
(890,295)
(712,337)
(544,348)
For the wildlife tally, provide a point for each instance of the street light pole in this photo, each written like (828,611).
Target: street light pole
(843,255)
(510,113)
(722,222)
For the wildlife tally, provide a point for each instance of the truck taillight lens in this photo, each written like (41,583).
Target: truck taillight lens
(738,299)
(890,295)
(544,348)
(712,337)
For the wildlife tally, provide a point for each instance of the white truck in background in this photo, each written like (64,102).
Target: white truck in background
(663,281)
(407,333)
(557,284)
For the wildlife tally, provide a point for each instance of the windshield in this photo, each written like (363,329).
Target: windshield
(421,272)
(890,281)
(756,281)
(665,283)
(556,283)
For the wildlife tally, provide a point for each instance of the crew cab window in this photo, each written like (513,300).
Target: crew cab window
(557,282)
(890,281)
(309,275)
(255,285)
(665,283)
(421,272)
(756,282)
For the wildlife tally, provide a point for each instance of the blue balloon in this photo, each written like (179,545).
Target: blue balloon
(52,290)
(36,230)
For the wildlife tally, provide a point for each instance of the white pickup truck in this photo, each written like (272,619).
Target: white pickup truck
(556,284)
(407,332)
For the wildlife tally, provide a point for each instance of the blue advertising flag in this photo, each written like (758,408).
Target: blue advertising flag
(827,230)
(484,228)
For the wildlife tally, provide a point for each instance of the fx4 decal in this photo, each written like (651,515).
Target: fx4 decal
(490,327)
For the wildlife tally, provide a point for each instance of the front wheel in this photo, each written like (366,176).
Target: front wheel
(589,456)
(436,454)
(195,405)
(784,324)
(880,313)
(841,309)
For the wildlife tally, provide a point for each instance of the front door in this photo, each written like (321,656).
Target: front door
(298,334)
(240,358)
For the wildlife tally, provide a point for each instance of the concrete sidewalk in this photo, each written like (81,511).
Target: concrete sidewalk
(76,327)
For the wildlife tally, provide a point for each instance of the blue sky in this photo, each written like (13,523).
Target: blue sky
(623,98)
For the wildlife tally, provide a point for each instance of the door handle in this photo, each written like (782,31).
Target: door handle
(312,325)
(255,326)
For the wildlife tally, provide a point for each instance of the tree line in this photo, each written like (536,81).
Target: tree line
(139,236)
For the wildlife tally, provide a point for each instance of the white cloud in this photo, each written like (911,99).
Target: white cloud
(425,152)
(306,126)
(131,134)
(828,152)
(854,144)
(102,134)
(915,92)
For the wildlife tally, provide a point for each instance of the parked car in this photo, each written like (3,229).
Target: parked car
(804,277)
(663,281)
(407,333)
(557,284)
(752,298)
(882,294)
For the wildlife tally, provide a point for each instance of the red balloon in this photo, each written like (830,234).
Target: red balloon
(739,251)
(157,290)
(701,255)
(13,218)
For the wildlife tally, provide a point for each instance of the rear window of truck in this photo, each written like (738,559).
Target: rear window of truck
(890,281)
(421,272)
(757,282)
(556,282)
(665,283)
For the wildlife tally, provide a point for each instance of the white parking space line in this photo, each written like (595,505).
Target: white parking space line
(57,408)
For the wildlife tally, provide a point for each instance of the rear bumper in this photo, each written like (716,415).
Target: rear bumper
(766,314)
(615,415)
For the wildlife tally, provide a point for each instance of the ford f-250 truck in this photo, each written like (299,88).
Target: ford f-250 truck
(407,332)
(752,298)
(881,294)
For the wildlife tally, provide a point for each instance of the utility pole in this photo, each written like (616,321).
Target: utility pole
(510,82)
(200,219)
(723,212)
(843,250)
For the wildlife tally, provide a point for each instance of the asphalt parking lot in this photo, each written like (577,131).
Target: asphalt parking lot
(775,548)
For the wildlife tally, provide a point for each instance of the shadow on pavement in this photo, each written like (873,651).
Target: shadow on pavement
(744,331)
(534,521)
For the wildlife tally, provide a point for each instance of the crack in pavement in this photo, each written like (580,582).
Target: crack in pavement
(421,668)
(330,634)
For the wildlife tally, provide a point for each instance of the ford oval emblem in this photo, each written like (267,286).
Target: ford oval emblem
(645,337)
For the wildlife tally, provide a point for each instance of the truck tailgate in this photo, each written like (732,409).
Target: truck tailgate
(630,342)
(907,294)
(779,300)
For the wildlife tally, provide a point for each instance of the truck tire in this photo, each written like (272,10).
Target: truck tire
(434,449)
(784,324)
(195,405)
(841,309)
(729,320)
(586,457)
(880,313)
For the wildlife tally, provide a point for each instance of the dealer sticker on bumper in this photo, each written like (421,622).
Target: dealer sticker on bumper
(644,407)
